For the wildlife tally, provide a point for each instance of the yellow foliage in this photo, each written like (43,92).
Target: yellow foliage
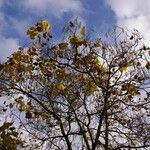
(83,30)
(63,45)
(43,26)
(90,87)
(97,43)
(76,40)
(124,68)
(131,89)
(60,74)
(116,106)
(32,33)
(61,87)
(22,105)
(148,65)
(99,67)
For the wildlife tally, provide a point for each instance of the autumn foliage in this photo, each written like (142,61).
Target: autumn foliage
(78,93)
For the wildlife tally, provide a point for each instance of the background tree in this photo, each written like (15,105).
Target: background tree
(80,93)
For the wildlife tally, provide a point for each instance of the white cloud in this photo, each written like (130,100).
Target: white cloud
(7,46)
(20,26)
(133,14)
(56,7)
(40,8)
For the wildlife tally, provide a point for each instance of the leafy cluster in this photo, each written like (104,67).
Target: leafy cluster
(80,93)
(9,137)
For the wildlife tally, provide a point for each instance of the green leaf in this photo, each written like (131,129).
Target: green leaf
(2,78)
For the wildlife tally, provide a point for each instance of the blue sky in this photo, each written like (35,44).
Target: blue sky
(17,15)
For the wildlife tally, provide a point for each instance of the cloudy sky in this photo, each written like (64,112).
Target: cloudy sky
(17,15)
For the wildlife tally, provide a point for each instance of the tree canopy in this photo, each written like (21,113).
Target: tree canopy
(78,93)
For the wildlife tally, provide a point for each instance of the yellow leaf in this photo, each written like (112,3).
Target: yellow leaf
(61,87)
(124,68)
(76,40)
(130,88)
(90,87)
(22,107)
(32,33)
(83,31)
(99,67)
(97,43)
(148,65)
(63,45)
(116,106)
(43,26)
(135,142)
(60,74)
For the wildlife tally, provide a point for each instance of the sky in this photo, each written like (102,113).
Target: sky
(17,15)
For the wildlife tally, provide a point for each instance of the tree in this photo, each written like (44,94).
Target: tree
(80,93)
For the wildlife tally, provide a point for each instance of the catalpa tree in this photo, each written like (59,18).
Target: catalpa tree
(79,93)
